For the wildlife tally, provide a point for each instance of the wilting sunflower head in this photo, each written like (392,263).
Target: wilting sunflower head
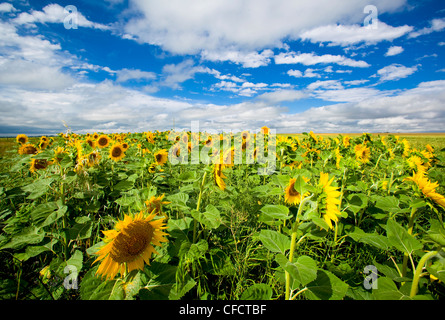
(117,152)
(103,141)
(22,138)
(28,148)
(130,244)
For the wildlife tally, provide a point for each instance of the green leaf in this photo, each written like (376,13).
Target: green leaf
(124,185)
(356,202)
(179,289)
(163,277)
(400,238)
(274,241)
(81,230)
(389,204)
(211,218)
(304,270)
(47,213)
(30,235)
(387,290)
(276,211)
(326,287)
(258,291)
(76,260)
(38,188)
(372,239)
(193,251)
(437,232)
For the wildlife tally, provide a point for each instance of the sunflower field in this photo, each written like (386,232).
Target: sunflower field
(112,216)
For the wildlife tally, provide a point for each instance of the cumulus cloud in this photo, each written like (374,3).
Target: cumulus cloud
(7,7)
(54,13)
(250,59)
(310,59)
(194,26)
(395,72)
(346,35)
(393,50)
(435,25)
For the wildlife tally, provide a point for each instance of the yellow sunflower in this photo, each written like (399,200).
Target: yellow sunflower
(265,130)
(130,244)
(103,141)
(161,157)
(91,142)
(427,187)
(291,195)
(219,176)
(28,148)
(93,158)
(330,199)
(117,152)
(22,138)
(362,153)
(154,204)
(38,164)
(416,163)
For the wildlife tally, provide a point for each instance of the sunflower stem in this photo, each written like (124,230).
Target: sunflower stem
(418,271)
(293,242)
(195,223)
(410,231)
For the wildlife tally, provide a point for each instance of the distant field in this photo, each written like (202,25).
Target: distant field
(417,140)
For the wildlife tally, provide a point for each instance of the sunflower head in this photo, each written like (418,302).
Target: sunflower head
(28,148)
(161,157)
(117,152)
(22,138)
(130,244)
(219,176)
(103,141)
(291,195)
(154,204)
(38,164)
(329,199)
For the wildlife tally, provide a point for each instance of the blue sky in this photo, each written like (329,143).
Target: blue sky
(295,66)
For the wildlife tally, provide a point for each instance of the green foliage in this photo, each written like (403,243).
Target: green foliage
(243,241)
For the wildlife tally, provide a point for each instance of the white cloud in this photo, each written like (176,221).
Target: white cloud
(189,27)
(383,113)
(250,59)
(308,73)
(282,95)
(436,25)
(54,13)
(131,74)
(346,35)
(327,84)
(393,50)
(7,7)
(395,72)
(309,59)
